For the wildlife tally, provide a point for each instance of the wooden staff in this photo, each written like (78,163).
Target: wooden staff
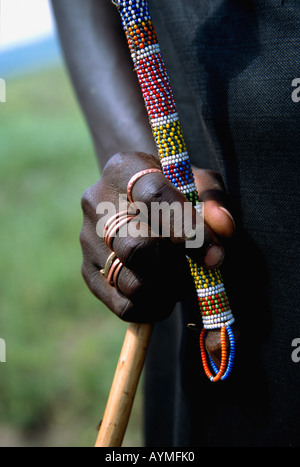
(124,385)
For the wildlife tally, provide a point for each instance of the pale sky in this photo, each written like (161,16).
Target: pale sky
(23,21)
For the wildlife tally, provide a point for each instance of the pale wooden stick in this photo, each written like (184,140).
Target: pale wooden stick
(124,385)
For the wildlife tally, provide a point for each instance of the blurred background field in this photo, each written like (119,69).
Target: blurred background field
(62,344)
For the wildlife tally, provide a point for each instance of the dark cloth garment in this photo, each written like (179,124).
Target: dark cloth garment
(231,64)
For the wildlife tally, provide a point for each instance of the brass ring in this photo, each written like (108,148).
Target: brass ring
(108,265)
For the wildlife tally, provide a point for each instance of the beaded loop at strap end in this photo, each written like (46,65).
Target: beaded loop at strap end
(226,361)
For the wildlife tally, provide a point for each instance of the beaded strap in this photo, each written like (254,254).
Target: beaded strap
(176,166)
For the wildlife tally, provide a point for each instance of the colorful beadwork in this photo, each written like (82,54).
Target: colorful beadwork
(176,166)
(230,358)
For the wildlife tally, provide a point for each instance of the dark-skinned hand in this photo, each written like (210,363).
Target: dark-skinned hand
(155,272)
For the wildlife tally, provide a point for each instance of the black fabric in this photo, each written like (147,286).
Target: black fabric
(232,64)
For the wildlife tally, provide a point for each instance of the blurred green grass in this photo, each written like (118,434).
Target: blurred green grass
(62,343)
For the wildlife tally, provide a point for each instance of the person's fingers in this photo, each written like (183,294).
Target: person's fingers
(219,218)
(179,221)
(212,193)
(124,165)
(149,303)
(167,209)
(140,251)
(99,286)
(145,297)
(166,206)
(153,263)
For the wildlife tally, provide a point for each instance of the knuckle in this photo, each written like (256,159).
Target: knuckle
(133,251)
(113,162)
(115,165)
(131,161)
(215,179)
(88,244)
(89,199)
(155,188)
(216,175)
(86,198)
(129,283)
(83,238)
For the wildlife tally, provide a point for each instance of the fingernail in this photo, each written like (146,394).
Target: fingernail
(228,214)
(214,256)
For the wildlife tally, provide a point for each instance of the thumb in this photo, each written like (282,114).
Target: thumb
(212,193)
